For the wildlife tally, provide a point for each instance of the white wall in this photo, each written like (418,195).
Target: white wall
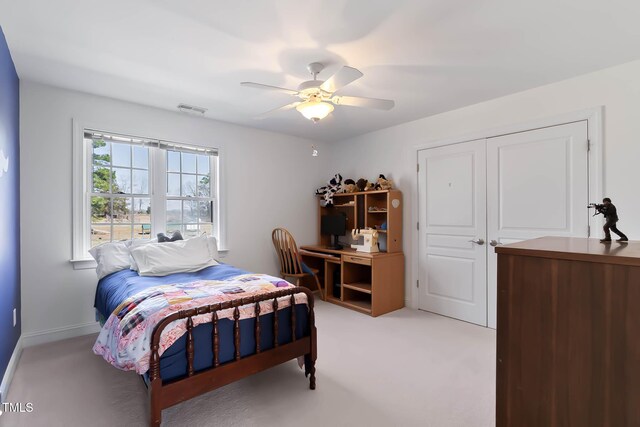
(392,151)
(269,178)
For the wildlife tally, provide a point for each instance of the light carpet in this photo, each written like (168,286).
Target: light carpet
(406,368)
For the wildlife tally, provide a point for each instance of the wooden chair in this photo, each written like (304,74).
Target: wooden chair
(290,264)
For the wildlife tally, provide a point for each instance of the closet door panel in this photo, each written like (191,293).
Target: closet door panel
(537,185)
(452,190)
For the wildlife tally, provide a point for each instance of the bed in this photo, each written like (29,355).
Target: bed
(216,343)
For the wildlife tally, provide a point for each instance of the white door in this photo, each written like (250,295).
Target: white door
(537,185)
(452,234)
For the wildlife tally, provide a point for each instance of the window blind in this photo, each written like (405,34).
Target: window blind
(147,142)
(187,148)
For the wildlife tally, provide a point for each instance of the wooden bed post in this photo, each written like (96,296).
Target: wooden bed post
(310,359)
(155,385)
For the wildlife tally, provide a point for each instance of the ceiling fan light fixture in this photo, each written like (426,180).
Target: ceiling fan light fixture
(315,110)
(315,98)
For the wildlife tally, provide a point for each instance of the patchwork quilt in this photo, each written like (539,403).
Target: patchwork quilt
(125,338)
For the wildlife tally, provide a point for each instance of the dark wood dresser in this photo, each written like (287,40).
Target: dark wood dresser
(568,351)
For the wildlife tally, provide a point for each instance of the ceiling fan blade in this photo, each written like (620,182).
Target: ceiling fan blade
(261,86)
(343,77)
(276,110)
(357,101)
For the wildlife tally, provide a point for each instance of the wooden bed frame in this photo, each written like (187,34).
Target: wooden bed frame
(163,396)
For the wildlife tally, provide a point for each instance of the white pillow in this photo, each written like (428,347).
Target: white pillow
(134,243)
(211,243)
(213,247)
(162,259)
(111,257)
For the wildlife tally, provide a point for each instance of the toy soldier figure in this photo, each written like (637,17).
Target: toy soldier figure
(610,213)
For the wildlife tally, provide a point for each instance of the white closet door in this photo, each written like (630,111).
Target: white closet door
(537,186)
(452,204)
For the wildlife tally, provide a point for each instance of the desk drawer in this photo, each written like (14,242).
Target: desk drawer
(356,259)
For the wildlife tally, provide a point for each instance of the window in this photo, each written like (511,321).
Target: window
(119,199)
(190,201)
(134,188)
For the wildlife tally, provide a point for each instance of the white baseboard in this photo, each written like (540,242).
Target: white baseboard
(11,369)
(409,304)
(57,334)
(41,337)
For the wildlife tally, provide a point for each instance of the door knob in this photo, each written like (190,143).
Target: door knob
(494,243)
(477,241)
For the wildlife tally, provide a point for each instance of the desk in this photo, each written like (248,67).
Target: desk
(369,283)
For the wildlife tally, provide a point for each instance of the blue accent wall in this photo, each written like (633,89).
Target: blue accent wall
(9,205)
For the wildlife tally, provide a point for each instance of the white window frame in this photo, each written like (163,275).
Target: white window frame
(91,193)
(214,163)
(82,180)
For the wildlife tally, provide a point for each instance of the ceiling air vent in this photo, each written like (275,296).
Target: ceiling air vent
(191,109)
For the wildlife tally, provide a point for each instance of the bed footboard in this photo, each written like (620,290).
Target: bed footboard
(162,396)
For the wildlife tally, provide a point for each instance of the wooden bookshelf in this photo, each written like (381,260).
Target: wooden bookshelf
(358,286)
(370,283)
(356,207)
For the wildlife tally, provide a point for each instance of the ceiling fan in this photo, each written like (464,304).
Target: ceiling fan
(317,96)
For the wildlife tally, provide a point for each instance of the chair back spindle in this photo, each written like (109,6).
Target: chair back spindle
(287,251)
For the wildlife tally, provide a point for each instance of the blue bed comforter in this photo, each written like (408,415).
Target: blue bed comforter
(113,289)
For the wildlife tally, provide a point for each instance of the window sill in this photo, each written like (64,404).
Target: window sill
(83,264)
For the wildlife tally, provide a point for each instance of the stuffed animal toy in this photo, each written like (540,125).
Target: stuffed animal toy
(370,186)
(334,185)
(362,184)
(349,186)
(383,183)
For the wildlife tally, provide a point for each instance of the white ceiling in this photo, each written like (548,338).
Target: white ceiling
(430,56)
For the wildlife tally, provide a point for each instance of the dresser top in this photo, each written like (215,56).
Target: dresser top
(578,249)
